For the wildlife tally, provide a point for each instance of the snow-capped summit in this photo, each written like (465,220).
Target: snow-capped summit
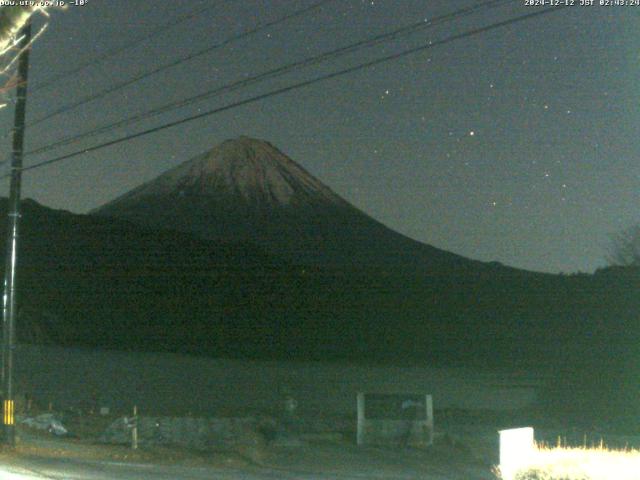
(252,170)
(247,190)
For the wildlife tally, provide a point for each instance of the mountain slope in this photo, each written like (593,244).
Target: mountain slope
(247,190)
(99,282)
(94,281)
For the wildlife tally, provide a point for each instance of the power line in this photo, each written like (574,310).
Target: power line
(126,83)
(117,50)
(279,71)
(296,86)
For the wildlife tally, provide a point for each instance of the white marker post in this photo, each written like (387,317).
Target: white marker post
(516,450)
(134,429)
(361,426)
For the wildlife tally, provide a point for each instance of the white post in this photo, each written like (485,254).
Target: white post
(516,450)
(428,402)
(361,418)
(134,429)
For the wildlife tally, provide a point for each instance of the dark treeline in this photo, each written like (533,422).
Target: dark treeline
(97,282)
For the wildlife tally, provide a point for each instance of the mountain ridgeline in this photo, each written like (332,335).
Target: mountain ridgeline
(247,190)
(242,253)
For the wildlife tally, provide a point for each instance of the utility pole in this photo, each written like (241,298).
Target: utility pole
(9,300)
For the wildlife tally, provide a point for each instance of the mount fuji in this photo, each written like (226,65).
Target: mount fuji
(247,190)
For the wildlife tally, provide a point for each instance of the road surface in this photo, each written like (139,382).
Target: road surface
(36,468)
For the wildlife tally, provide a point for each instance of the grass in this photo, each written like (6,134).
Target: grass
(567,463)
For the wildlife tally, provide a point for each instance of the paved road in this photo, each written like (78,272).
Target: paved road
(303,463)
(73,470)
(66,469)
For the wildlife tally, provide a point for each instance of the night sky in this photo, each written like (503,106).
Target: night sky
(517,145)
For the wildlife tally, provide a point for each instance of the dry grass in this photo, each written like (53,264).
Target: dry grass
(564,463)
